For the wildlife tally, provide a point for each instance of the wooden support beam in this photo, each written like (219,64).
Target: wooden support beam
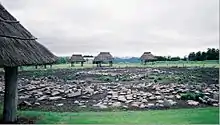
(97,64)
(11,95)
(110,63)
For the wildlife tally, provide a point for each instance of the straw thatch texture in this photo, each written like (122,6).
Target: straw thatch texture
(147,56)
(103,57)
(17,46)
(77,58)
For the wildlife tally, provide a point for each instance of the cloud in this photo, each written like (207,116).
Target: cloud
(123,27)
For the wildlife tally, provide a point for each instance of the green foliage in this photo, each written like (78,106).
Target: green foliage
(62,60)
(161,58)
(169,58)
(174,58)
(191,96)
(210,54)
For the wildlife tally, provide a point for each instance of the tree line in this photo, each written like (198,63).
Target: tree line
(210,54)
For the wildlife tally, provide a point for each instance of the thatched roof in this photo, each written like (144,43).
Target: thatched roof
(88,56)
(103,57)
(77,58)
(17,46)
(148,56)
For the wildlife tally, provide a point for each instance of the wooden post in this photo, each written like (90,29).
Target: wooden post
(11,95)
(82,64)
(72,64)
(110,63)
(36,67)
(45,66)
(51,66)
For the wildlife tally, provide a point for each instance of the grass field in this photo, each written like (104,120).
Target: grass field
(173,116)
(208,63)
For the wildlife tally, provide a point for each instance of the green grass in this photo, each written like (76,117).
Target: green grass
(208,63)
(174,116)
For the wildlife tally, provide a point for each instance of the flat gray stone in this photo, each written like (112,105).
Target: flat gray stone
(55,98)
(42,98)
(122,98)
(116,104)
(191,102)
(75,94)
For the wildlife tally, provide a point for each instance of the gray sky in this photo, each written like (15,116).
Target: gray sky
(122,27)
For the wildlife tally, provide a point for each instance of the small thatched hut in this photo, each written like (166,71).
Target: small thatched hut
(147,57)
(76,58)
(103,57)
(17,48)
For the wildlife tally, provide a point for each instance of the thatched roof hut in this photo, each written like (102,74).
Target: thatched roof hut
(103,57)
(77,58)
(147,56)
(17,47)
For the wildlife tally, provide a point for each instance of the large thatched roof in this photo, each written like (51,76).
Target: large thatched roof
(148,56)
(77,58)
(18,46)
(103,57)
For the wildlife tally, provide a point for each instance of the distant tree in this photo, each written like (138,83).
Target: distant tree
(203,56)
(210,54)
(185,58)
(62,60)
(175,58)
(168,58)
(161,58)
(192,56)
(217,54)
(198,56)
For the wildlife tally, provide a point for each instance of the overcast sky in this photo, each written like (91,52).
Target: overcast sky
(122,27)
